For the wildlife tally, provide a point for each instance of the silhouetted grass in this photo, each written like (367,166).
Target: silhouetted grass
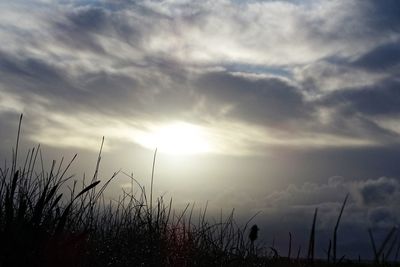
(49,219)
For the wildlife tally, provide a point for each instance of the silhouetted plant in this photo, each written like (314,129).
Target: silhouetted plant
(49,219)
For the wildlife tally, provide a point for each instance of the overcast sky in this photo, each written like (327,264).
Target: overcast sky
(272,106)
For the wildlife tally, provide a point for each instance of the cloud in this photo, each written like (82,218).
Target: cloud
(372,204)
(369,197)
(263,101)
(382,217)
(381,58)
(280,69)
(322,77)
(378,100)
(368,207)
(382,15)
(378,192)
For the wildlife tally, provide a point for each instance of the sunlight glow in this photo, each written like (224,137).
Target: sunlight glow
(177,138)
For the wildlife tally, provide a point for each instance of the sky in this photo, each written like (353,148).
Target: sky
(271,106)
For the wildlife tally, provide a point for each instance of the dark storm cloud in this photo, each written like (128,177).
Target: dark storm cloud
(14,66)
(379,99)
(378,192)
(101,92)
(82,25)
(29,77)
(382,216)
(76,40)
(269,100)
(347,122)
(383,15)
(357,163)
(89,19)
(382,58)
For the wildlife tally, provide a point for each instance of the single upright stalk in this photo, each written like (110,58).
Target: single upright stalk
(371,236)
(329,251)
(311,244)
(152,182)
(336,228)
(14,164)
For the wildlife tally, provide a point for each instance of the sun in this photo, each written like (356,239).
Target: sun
(177,138)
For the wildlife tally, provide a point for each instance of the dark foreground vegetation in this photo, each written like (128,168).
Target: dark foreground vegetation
(49,219)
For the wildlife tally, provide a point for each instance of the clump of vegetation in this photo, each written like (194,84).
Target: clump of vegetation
(49,219)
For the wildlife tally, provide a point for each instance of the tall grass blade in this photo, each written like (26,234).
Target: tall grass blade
(386,241)
(152,182)
(311,244)
(15,157)
(86,189)
(337,226)
(373,244)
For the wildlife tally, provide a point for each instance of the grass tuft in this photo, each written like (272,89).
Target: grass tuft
(47,219)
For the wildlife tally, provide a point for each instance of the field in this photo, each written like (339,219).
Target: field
(48,218)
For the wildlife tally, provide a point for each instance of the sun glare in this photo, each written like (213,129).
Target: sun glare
(177,138)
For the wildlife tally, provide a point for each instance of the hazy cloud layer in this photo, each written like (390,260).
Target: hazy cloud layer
(302,69)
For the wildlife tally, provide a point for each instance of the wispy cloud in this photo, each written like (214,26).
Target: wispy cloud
(157,60)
